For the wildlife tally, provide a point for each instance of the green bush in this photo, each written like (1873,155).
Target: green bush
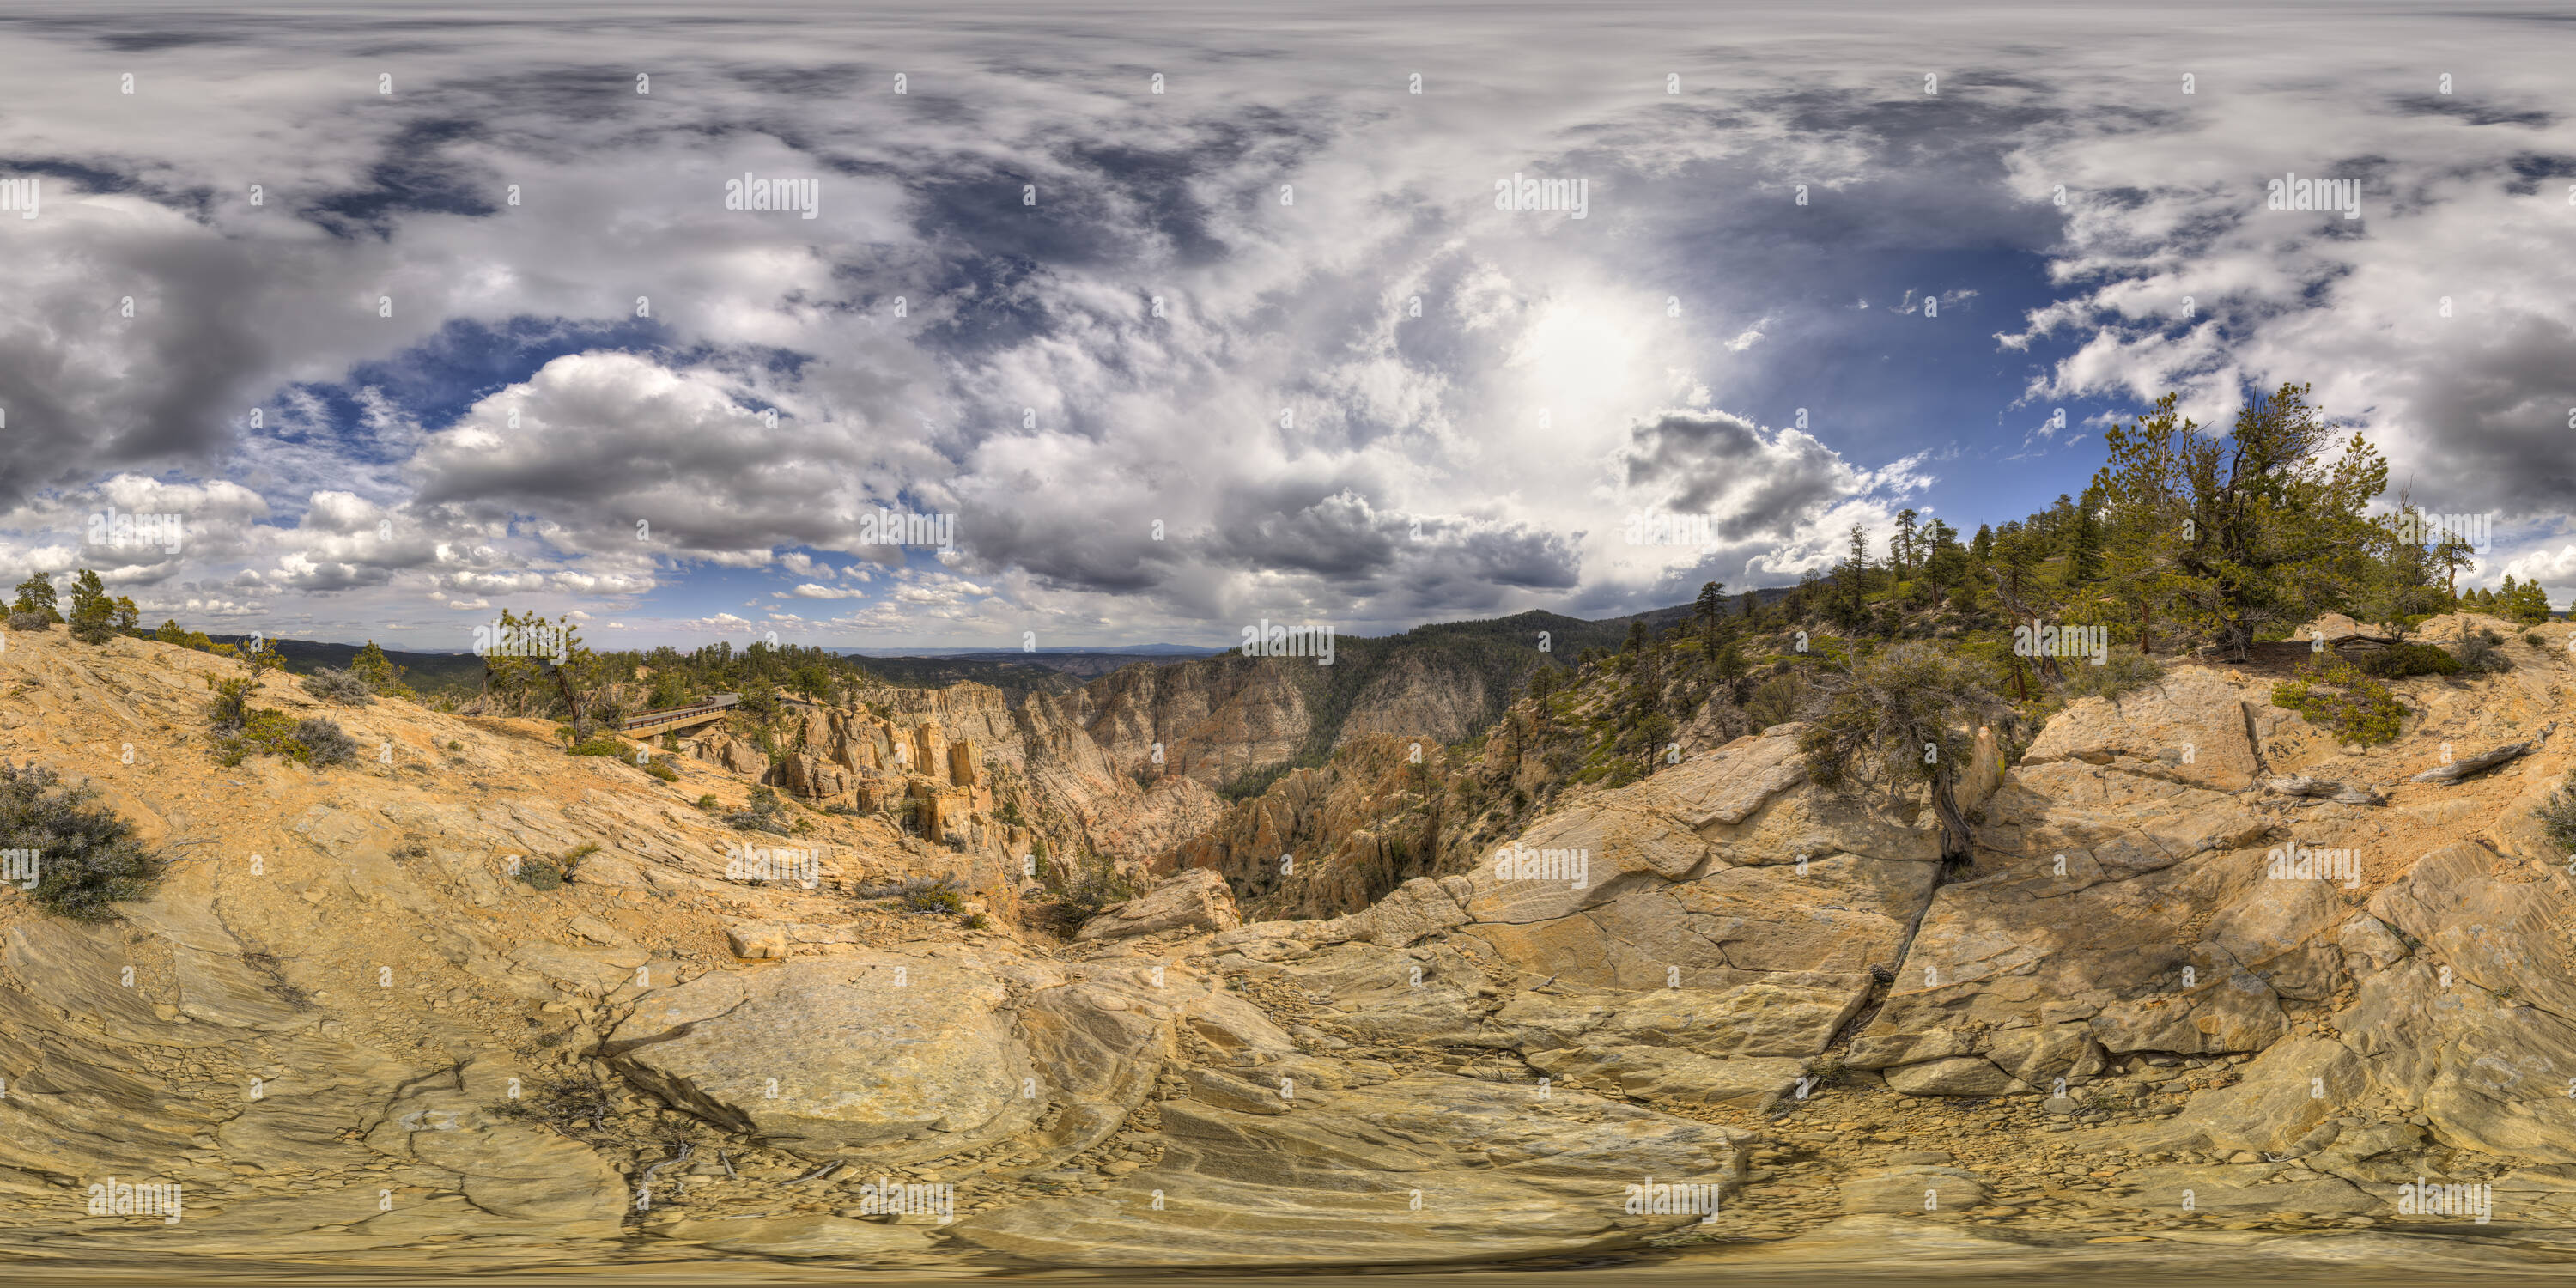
(540,874)
(87,860)
(91,628)
(241,731)
(659,770)
(2400,660)
(600,744)
(941,895)
(2338,697)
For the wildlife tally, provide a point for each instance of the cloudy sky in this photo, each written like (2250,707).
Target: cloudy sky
(1187,316)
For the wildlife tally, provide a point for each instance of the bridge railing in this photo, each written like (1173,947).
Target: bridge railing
(670,714)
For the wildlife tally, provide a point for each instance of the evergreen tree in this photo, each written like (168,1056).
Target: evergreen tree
(36,595)
(2255,531)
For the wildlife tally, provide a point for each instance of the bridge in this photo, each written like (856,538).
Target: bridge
(668,719)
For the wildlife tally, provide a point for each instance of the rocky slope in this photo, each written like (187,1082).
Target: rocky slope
(1720,975)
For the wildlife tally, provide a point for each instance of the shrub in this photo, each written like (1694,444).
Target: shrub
(2533,639)
(709,803)
(2557,816)
(540,874)
(456,746)
(1081,894)
(564,1104)
(2400,660)
(93,628)
(664,772)
(599,745)
(2478,653)
(1777,700)
(2121,671)
(2338,697)
(26,621)
(941,895)
(87,858)
(323,743)
(765,813)
(343,687)
(231,708)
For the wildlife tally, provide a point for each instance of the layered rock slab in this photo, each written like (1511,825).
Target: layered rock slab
(1498,1171)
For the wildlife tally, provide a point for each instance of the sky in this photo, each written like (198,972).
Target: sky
(1163,320)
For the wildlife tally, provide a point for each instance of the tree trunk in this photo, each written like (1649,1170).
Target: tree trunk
(1956,841)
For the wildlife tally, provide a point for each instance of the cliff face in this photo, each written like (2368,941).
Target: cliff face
(968,771)
(1322,842)
(1213,720)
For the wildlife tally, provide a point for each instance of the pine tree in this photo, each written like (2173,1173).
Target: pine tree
(1711,601)
(2257,530)
(36,595)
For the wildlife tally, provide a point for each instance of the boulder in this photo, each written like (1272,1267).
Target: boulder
(2189,727)
(1193,900)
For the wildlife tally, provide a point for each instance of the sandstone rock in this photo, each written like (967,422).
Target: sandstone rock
(757,940)
(2282,1097)
(1500,1172)
(1192,900)
(1954,1076)
(1663,1073)
(2189,727)
(905,1057)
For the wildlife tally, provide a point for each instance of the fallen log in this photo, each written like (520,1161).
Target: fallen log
(2459,769)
